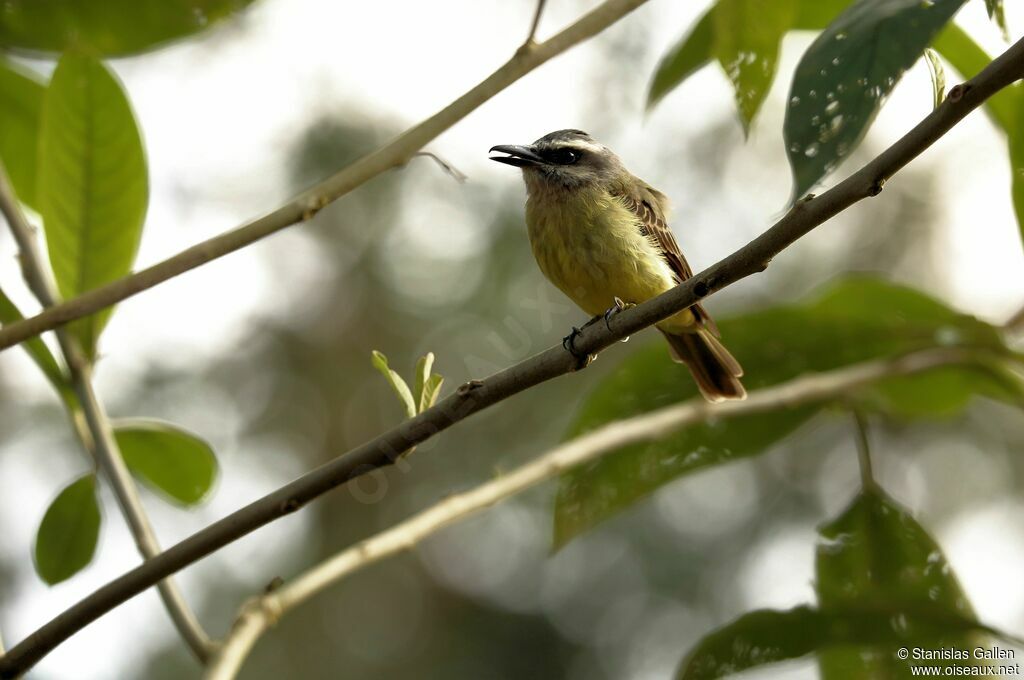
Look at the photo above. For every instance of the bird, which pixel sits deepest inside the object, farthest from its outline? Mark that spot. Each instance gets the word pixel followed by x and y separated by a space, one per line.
pixel 601 236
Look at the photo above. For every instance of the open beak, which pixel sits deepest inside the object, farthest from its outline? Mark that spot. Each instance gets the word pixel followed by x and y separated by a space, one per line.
pixel 519 156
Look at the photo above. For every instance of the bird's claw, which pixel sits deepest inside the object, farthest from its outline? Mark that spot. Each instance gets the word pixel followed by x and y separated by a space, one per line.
pixel 582 360
pixel 614 309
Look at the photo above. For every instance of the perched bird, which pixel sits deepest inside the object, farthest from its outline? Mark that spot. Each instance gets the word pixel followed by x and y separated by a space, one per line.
pixel 601 236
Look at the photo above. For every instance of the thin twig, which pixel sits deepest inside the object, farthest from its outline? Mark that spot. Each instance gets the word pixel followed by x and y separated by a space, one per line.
pixel 97 437
pixel 394 154
pixel 867 473
pixel 477 395
pixel 450 169
pixel 537 13
pixel 260 613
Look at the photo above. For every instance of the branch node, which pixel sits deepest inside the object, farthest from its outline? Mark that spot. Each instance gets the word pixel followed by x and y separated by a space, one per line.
pixel 313 206
pixel 274 584
pixel 876 187
pixel 957 92
pixel 701 289
pixel 467 387
pixel 289 506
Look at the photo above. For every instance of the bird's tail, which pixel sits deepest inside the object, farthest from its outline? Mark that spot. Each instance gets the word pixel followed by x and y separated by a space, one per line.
pixel 716 371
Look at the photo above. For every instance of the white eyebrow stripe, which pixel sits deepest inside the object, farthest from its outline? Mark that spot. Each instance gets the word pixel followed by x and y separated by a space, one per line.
pixel 579 144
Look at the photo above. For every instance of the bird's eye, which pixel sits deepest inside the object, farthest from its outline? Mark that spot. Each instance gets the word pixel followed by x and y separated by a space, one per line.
pixel 564 156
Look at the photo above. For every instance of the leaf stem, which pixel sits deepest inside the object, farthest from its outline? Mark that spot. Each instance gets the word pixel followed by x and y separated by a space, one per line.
pixel 867 473
pixel 92 426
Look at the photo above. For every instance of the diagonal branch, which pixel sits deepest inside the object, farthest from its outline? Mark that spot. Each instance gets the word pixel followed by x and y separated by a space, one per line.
pixel 259 614
pixel 392 155
pixel 95 433
pixel 477 395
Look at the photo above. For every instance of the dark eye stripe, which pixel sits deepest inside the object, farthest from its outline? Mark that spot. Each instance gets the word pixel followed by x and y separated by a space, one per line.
pixel 562 156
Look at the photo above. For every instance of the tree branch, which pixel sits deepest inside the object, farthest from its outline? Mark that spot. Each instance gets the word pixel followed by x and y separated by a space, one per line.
pixel 96 434
pixel 302 208
pixel 259 614
pixel 477 395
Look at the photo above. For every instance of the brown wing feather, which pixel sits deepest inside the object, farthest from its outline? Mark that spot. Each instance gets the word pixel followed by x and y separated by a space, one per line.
pixel 649 204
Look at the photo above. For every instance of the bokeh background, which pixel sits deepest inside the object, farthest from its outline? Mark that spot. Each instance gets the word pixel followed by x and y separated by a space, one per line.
pixel 265 353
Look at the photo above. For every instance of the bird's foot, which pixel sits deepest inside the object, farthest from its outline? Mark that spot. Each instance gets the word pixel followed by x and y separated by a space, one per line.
pixel 568 342
pixel 618 307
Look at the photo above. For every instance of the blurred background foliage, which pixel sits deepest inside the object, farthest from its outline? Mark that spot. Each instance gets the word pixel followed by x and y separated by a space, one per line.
pixel 414 263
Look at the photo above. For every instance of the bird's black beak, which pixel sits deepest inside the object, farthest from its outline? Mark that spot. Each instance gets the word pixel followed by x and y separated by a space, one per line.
pixel 519 156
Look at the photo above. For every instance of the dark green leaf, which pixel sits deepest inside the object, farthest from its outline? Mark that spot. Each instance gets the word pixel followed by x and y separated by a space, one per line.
pixel 92 185
pixel 747 36
pixel 68 533
pixel 107 28
pixel 36 348
pixel 21 102
pixel 876 554
pixel 767 636
pixel 846 74
pixel 857 319
pixel 175 462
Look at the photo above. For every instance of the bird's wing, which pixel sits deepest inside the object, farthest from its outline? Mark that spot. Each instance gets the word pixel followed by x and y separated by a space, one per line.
pixel 649 205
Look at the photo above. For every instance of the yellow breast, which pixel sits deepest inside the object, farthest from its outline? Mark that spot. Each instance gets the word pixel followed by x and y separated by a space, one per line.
pixel 592 248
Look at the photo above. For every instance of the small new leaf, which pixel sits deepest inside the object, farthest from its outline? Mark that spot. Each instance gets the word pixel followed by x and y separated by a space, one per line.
pixel 380 362
pixel 431 390
pixel 423 368
pixel 67 536
pixel 938 75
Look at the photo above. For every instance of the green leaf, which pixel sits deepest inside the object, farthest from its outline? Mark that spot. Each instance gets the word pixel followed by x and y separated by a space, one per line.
pixel 938 76
pixel 92 183
pixel 107 28
pixel 856 319
pixel 998 15
pixel 876 554
pixel 845 76
pixel 747 36
pixel 687 57
pixel 943 392
pixel 423 368
pixel 36 349
pixel 766 636
pixel 697 47
pixel 816 15
pixel 67 536
pixel 380 362
pixel 431 391
pixel 21 103
pixel 169 459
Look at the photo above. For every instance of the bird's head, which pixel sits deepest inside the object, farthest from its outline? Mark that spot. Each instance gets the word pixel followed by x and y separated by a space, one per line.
pixel 564 159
